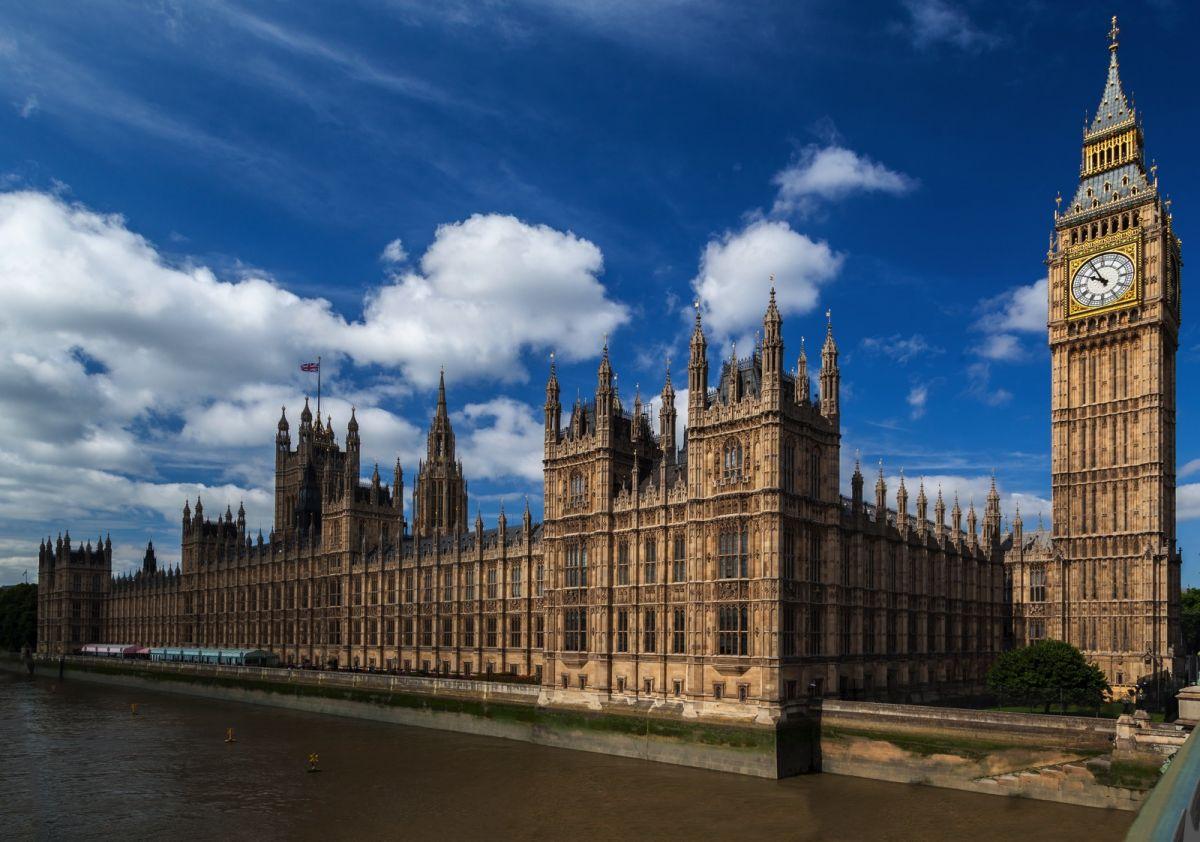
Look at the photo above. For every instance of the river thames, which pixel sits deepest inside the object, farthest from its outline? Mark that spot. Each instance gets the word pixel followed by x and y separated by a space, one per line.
pixel 77 763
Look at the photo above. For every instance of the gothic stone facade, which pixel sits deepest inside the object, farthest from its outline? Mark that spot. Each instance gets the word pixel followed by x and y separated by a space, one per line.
pixel 723 573
pixel 1108 581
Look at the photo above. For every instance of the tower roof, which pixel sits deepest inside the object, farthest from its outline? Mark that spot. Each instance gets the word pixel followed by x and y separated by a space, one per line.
pixel 1114 108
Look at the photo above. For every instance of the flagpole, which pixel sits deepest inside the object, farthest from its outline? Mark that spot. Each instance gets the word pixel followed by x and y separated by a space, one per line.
pixel 318 387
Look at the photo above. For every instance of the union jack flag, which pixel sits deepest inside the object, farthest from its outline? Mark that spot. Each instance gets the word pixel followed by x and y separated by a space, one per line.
pixel 310 366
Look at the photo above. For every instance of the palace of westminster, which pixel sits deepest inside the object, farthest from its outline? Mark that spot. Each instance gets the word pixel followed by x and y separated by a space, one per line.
pixel 724 573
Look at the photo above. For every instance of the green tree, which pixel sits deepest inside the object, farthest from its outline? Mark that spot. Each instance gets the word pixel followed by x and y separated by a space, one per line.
pixel 18 617
pixel 1189 618
pixel 1046 672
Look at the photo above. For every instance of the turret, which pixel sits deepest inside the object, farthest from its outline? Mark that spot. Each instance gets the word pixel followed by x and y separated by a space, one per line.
pixel 241 520
pixel 803 385
pixel 831 378
pixel 666 420
pixel 635 431
pixel 553 406
pixel 972 524
pixel 939 515
pixel 187 516
pixel 922 507
pixel 880 495
pixel 902 503
pixel 734 381
pixel 398 489
pixel 697 372
pixel 991 518
pixel 956 518
pixel 149 562
pixel 856 486
pixel 604 390
pixel 283 439
pixel 772 351
pixel 306 428
pixel 527 519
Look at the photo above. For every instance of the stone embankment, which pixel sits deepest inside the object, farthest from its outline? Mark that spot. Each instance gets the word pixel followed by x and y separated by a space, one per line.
pixel 1054 758
pixel 1067 759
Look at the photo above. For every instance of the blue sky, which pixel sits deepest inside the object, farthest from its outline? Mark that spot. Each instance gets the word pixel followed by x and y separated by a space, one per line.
pixel 198 197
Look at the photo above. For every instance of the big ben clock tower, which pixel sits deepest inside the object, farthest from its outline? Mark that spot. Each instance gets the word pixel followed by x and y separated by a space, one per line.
pixel 1114 312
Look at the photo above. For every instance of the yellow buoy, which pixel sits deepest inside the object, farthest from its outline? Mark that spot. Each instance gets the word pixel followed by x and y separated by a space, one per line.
pixel 133 708
pixel 312 763
pixel 229 736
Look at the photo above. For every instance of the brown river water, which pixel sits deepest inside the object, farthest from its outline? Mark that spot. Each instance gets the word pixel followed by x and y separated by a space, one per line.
pixel 75 763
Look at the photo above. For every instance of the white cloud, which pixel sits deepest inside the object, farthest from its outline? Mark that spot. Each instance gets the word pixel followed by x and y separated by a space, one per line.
pixel 733 282
pixel 28 106
pixel 1019 310
pixel 1187 501
pixel 1000 346
pixel 833 172
pixel 489 289
pixel 900 348
pixel 501 438
pixel 940 21
pixel 979 385
pixel 120 370
pixel 394 252
pixel 918 396
pixel 1190 468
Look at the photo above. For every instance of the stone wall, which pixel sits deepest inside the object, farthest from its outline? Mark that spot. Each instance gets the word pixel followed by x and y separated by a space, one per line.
pixel 1054 758
pixel 1050 758
pixel 494 709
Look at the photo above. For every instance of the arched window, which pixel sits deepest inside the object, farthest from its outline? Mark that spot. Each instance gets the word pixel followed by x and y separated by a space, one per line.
pixel 1037 584
pixel 578 489
pixel 789 466
pixel 732 463
pixel 814 473
pixel 733 553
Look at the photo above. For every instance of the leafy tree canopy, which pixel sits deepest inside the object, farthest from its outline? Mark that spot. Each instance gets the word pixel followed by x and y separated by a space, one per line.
pixel 1189 618
pixel 18 617
pixel 1048 671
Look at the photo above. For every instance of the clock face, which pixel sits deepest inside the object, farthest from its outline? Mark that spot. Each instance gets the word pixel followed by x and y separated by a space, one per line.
pixel 1102 280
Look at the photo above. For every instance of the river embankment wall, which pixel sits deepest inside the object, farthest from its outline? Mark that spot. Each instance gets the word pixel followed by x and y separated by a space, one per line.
pixel 1055 758
pixel 1067 759
pixel 500 709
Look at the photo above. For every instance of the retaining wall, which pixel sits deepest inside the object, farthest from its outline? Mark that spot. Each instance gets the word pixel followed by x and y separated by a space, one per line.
pixel 493 709
pixel 1055 758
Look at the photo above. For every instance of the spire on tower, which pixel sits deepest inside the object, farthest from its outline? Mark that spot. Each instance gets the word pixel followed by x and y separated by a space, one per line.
pixel 697 369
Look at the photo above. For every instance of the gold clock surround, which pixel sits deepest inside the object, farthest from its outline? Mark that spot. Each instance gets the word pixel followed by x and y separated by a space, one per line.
pixel 1128 243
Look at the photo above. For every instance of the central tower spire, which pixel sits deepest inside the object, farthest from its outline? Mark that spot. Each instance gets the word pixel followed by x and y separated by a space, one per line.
pixel 440 491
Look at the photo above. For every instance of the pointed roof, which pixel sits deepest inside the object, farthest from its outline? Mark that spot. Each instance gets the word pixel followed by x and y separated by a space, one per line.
pixel 1114 108
pixel 440 441
pixel 772 315
pixel 698 339
pixel 830 346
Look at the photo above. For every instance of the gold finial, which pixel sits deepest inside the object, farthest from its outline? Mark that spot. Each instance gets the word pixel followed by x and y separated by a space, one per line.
pixel 1058 200
pixel 1112 34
